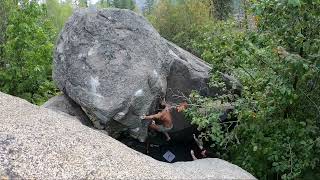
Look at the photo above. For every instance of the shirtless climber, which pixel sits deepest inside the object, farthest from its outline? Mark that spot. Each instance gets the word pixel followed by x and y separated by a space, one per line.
pixel 165 118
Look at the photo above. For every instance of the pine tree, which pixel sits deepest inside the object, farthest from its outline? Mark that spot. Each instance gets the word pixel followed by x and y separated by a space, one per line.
pixel 148 6
pixel 123 4
pixel 83 3
pixel 221 9
pixel 103 3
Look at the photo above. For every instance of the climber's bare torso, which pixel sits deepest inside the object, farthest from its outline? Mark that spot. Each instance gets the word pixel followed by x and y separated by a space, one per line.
pixel 165 119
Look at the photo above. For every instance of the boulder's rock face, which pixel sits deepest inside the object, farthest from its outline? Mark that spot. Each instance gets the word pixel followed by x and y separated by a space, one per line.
pixel 38 143
pixel 187 73
pixel 62 103
pixel 116 66
pixel 113 64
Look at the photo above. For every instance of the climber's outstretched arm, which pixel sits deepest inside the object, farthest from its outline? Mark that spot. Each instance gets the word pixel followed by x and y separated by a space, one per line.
pixel 155 116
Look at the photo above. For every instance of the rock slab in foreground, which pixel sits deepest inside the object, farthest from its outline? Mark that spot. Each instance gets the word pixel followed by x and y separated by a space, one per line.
pixel 38 143
pixel 115 65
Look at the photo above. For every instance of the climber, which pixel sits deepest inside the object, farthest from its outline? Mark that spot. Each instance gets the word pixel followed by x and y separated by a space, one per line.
pixel 165 118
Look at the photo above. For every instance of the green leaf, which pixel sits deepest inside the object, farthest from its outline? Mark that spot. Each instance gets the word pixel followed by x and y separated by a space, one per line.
pixel 294 3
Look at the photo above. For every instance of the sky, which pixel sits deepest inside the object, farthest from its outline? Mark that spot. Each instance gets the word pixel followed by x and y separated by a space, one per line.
pixel 93 1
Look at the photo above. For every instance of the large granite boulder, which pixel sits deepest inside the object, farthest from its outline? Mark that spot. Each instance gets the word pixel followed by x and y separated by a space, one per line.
pixel 38 143
pixel 116 66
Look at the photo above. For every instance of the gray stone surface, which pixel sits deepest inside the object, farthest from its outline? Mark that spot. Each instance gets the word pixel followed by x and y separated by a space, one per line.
pixel 113 64
pixel 64 104
pixel 232 83
pixel 187 73
pixel 38 143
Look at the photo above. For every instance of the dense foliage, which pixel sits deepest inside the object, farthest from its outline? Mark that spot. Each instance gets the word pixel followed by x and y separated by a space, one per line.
pixel 124 4
pixel 27 53
pixel 5 7
pixel 221 9
pixel 276 133
pixel 59 12
pixel 170 18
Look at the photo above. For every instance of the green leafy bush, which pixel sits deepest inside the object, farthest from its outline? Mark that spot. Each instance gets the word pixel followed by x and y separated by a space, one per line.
pixel 173 17
pixel 58 12
pixel 277 130
pixel 27 56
